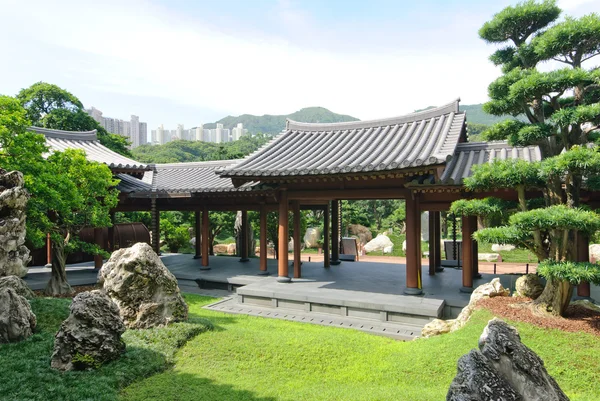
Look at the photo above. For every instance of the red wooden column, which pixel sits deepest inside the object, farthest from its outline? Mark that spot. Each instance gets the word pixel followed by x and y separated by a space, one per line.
pixel 205 239
pixel 111 232
pixel 469 225
pixel 99 241
pixel 282 249
pixel 198 233
pixel 326 256
pixel 297 262
pixel 48 251
pixel 413 246
pixel 583 255
pixel 335 232
pixel 244 241
pixel 263 239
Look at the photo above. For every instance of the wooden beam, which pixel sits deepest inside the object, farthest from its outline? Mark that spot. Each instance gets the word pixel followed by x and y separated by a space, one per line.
pixel 205 237
pixel 282 249
pixel 297 262
pixel 263 238
pixel 413 246
pixel 331 194
pixel 326 231
pixel 198 233
pixel 335 232
pixel 469 225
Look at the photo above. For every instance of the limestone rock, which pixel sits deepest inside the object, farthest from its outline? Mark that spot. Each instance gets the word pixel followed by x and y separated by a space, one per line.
pixel 379 243
pixel 311 237
pixel 91 335
pixel 488 290
pixel 488 257
pixel 505 247
pixel 363 234
pixel 18 285
pixel 436 327
pixel 503 369
pixel 586 304
pixel 14 255
pixel 388 249
pixel 220 249
pixel 425 226
pixel 231 249
pixel 17 321
pixel 145 291
pixel 529 285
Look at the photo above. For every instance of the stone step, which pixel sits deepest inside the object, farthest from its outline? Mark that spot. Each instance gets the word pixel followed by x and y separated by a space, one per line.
pixel 399 331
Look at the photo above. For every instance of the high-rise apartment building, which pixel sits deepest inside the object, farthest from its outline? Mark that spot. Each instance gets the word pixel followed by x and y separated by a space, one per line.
pixel 134 130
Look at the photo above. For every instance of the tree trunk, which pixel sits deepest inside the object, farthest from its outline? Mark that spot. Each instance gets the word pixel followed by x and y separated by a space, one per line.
pixel 555 298
pixel 58 284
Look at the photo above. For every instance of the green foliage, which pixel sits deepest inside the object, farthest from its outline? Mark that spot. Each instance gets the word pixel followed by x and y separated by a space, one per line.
pixel 26 372
pixel 572 41
pixel 573 272
pixel 505 174
pixel 557 217
pixel 478 207
pixel 174 236
pixel 193 151
pixel 518 23
pixel 52 107
pixel 397 218
pixel 249 358
pixel 503 235
pixel 579 160
pixel 272 124
pixel 85 362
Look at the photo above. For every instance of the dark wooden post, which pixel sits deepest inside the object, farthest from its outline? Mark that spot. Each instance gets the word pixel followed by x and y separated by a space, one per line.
pixel 111 232
pixel 434 242
pixel 297 262
pixel 326 256
pixel 335 232
pixel 583 255
pixel 438 242
pixel 244 239
pixel 413 246
pixel 263 239
pixel 205 239
pixel 198 233
pixel 154 226
pixel 99 241
pixel 469 225
pixel 282 263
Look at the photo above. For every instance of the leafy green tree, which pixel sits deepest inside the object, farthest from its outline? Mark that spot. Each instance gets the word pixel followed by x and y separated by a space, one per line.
pixel 67 191
pixel 50 106
pixel 563 110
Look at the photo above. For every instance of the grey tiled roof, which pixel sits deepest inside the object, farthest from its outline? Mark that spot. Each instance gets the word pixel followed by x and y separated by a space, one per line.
pixel 87 141
pixel 194 177
pixel 419 139
pixel 472 153
pixel 129 184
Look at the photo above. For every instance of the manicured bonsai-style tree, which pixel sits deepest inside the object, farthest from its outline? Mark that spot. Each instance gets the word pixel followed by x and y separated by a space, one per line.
pixel 562 110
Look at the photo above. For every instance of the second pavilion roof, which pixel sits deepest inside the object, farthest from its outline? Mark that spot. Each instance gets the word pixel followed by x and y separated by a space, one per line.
pixel 305 149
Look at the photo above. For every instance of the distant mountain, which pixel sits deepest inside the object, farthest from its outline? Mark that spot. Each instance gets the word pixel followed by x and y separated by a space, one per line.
pixel 476 115
pixel 274 124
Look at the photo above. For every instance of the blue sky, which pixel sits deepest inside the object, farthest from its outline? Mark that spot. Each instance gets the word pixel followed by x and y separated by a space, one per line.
pixel 193 62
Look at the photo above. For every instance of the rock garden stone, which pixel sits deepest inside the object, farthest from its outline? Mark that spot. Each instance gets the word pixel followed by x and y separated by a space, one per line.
pixel 503 368
pixel 145 291
pixel 504 247
pixel 488 290
pixel 18 285
pixel 14 255
pixel 529 285
pixel 312 237
pixel 488 257
pixel 17 321
pixel 379 243
pixel 594 250
pixel 91 335
pixel 361 232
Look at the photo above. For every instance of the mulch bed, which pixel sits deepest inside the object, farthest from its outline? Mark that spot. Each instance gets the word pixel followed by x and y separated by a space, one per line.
pixel 577 319
pixel 77 289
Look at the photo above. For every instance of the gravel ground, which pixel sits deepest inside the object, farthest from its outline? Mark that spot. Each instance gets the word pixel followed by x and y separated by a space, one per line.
pixel 577 319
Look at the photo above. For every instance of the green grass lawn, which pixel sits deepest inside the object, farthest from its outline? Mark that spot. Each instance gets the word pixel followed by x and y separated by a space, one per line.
pixel 25 372
pixel 250 358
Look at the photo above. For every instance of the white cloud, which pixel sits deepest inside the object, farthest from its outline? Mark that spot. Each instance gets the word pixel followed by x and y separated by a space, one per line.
pixel 145 50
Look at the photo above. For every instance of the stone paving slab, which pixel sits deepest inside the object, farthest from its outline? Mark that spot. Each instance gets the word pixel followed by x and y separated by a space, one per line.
pixel 397 331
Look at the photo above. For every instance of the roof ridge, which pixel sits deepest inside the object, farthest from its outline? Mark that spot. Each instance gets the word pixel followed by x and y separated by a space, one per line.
pixel 60 134
pixel 411 117
pixel 488 145
pixel 207 163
